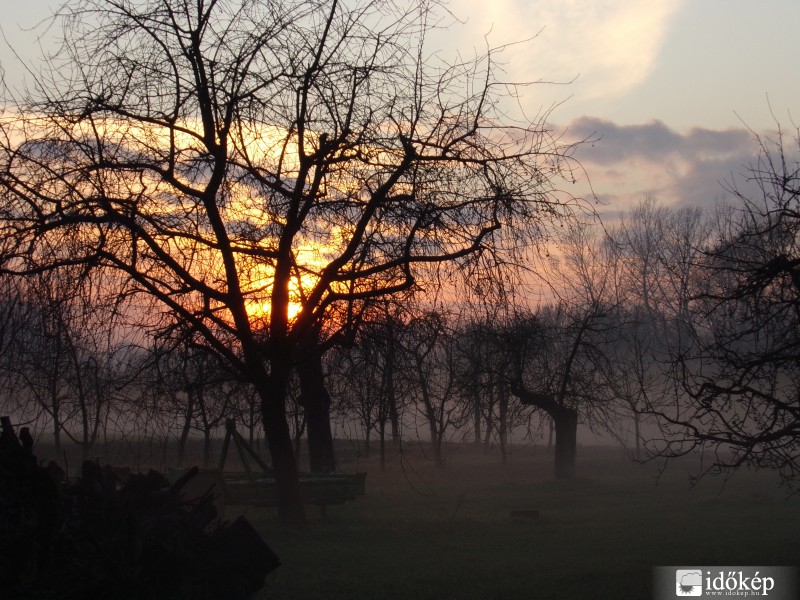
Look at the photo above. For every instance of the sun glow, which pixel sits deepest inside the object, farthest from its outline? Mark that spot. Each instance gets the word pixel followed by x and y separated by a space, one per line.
pixel 156 176
pixel 258 291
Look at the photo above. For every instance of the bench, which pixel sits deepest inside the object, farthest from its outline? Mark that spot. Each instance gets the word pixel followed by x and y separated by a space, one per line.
pixel 319 489
pixel 261 489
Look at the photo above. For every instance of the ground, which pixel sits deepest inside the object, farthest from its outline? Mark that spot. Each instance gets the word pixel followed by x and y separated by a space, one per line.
pixel 423 532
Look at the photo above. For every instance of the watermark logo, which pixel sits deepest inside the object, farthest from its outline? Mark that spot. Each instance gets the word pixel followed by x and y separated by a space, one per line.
pixel 771 583
pixel 688 582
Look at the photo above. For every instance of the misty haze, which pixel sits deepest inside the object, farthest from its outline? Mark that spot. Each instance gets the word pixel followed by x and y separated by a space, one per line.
pixel 353 299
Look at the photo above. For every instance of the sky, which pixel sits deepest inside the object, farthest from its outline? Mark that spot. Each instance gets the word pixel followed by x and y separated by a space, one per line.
pixel 673 90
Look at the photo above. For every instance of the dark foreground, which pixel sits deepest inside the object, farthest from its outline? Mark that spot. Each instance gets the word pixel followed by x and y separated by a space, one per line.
pixel 470 530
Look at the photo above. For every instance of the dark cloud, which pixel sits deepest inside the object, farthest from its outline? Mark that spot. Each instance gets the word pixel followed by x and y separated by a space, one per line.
pixel 626 162
pixel 708 180
pixel 615 143
pixel 654 141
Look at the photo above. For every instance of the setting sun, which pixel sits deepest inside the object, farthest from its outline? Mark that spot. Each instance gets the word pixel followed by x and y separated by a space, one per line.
pixel 258 290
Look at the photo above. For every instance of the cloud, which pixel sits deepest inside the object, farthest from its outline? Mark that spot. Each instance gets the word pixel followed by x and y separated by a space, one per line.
pixel 626 162
pixel 656 141
pixel 610 45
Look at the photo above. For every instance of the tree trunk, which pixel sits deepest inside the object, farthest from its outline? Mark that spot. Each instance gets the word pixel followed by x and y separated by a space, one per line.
pixel 316 403
pixel 564 423
pixel 476 417
pixel 382 435
pixel 56 432
pixel 251 427
pixel 391 395
pixel 299 429
pixel 394 418
pixel 86 447
pixel 281 449
pixel 201 405
pixel 436 444
pixel 503 427
pixel 438 458
pixel 187 424
pixel 487 436
pixel 566 428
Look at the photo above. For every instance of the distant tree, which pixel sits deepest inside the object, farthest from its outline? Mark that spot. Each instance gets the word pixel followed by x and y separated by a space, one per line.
pixel 477 368
pixel 65 366
pixel 386 330
pixel 193 390
pixel 261 167
pixel 48 353
pixel 558 353
pixel 430 347
pixel 633 370
pixel 653 253
pixel 357 374
pixel 554 369
pixel 369 374
pixel 13 325
pixel 483 383
pixel 640 238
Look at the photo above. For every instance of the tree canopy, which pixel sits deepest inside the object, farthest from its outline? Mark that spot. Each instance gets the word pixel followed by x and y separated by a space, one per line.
pixel 260 167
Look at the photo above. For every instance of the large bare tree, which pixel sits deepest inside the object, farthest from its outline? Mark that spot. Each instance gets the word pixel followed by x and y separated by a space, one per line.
pixel 261 167
pixel 558 355
pixel 737 363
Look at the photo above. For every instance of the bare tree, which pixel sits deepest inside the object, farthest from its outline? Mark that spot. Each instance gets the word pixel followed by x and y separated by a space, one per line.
pixel 641 237
pixel 316 403
pixel 737 367
pixel 368 376
pixel 66 366
pixel 261 167
pixel 557 354
pixel 193 390
pixel 483 366
pixel 553 370
pixel 430 346
pixel 12 325
pixel 386 332
pixel 656 252
pixel 357 381
pixel 474 343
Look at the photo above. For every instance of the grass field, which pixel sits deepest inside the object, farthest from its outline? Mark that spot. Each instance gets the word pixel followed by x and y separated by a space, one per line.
pixel 423 532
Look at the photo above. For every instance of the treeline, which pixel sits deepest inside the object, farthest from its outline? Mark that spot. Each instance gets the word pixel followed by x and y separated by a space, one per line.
pixel 683 319
pixel 184 209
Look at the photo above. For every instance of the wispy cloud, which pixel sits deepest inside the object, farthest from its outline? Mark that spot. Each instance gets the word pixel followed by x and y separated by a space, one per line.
pixel 610 45
pixel 686 168
pixel 655 141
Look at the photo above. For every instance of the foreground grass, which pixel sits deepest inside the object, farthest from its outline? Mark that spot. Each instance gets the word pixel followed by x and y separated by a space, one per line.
pixel 423 532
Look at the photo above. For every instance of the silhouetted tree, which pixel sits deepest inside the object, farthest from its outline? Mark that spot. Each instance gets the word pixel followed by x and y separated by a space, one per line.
pixel 66 366
pixel 552 371
pixel 316 403
pixel 655 251
pixel 430 347
pixel 12 326
pixel 483 367
pixel 357 381
pixel 192 389
pixel 737 364
pixel 558 353
pixel 261 167
pixel 369 374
